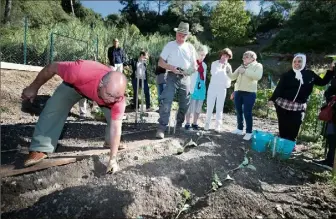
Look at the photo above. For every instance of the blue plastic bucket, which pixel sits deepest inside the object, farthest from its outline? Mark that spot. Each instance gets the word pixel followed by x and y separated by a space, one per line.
pixel 284 147
pixel 261 140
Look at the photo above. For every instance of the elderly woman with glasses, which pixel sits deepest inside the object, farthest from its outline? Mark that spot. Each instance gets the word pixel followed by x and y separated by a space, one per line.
pixel 291 95
pixel 247 76
pixel 197 89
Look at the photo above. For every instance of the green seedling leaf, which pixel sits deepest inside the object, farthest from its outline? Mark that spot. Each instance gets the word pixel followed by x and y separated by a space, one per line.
pixel 251 167
pixel 191 143
pixel 186 194
pixel 244 163
pixel 228 177
pixel 214 186
pixel 217 180
pixel 185 207
pixel 180 150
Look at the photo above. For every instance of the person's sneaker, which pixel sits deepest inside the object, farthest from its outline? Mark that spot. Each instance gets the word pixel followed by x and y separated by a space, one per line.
pixel 323 163
pixel 34 157
pixel 207 126
pixel 237 132
pixel 195 127
pixel 113 166
pixel 159 134
pixel 247 136
pixel 187 126
pixel 218 128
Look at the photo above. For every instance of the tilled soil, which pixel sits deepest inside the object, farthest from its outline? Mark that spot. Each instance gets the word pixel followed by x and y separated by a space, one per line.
pixel 153 176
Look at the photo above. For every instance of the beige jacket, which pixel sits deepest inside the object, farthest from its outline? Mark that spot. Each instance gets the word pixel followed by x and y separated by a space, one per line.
pixel 248 80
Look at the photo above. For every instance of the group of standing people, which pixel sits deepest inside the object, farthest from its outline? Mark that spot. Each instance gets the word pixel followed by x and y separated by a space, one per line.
pixel 182 70
pixel 180 58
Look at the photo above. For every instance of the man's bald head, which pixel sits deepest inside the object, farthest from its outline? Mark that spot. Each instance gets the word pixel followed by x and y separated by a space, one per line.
pixel 113 87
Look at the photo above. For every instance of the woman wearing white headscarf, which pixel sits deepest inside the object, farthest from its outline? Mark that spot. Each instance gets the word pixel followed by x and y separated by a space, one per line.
pixel 291 94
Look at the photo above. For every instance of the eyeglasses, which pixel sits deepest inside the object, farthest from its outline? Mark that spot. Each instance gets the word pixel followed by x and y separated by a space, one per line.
pixel 298 61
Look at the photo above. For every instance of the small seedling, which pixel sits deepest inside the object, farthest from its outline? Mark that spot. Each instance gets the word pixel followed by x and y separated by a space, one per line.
pixel 246 164
pixel 191 143
pixel 183 206
pixel 201 135
pixel 228 177
pixel 215 183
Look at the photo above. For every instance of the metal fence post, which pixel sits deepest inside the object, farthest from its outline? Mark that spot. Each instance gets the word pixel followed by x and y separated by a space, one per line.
pixel 97 47
pixel 87 51
pixel 25 41
pixel 51 47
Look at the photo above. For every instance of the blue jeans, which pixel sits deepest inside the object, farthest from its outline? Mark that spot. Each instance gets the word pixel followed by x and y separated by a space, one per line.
pixel 244 102
pixel 174 83
pixel 146 91
pixel 160 88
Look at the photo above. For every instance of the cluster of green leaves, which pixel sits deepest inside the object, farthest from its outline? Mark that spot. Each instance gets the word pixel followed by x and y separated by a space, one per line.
pixel 229 21
pixel 310 29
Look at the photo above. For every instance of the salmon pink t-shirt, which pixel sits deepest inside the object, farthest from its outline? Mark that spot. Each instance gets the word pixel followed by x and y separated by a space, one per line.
pixel 85 76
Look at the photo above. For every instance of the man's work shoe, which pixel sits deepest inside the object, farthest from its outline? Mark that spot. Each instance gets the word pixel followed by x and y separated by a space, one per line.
pixel 34 157
pixel 122 146
pixel 159 134
pixel 113 166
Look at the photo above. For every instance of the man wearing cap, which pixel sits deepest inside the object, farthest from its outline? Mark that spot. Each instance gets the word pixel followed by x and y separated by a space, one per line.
pixel 179 59
pixel 81 79
pixel 116 56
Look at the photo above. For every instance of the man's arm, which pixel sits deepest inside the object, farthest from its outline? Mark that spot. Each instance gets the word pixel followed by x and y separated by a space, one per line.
pixel 115 133
pixel 44 75
pixel 163 64
pixel 30 92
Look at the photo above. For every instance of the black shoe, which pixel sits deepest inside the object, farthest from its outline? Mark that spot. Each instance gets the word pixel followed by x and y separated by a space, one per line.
pixel 195 127
pixel 187 126
pixel 324 164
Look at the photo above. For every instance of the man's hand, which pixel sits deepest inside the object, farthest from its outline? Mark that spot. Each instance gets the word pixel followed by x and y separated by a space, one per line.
pixel 270 103
pixel 29 93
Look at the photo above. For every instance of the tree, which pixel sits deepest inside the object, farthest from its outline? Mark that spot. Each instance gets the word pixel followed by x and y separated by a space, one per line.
pixel 8 8
pixel 115 20
pixel 130 11
pixel 229 22
pixel 160 4
pixel 310 29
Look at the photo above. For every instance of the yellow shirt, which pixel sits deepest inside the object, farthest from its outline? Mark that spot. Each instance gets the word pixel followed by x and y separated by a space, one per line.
pixel 247 81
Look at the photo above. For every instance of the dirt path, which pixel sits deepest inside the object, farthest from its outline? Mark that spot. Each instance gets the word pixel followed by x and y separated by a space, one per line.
pixel 153 177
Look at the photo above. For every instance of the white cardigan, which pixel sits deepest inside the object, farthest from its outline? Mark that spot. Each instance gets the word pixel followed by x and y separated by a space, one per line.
pixel 193 78
pixel 219 75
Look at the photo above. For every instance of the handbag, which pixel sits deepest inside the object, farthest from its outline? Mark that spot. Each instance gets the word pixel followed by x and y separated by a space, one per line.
pixel 326 113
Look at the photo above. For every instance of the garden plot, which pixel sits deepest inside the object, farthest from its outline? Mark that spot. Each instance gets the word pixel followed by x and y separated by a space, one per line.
pixel 158 179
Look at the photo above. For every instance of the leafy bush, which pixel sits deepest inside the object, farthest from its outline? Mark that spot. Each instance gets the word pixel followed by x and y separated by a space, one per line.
pixel 310 29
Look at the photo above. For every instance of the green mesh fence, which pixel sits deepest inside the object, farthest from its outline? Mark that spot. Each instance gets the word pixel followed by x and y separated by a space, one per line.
pixel 22 44
pixel 65 48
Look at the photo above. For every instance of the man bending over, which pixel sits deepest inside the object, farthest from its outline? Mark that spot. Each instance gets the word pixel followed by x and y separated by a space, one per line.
pixel 81 79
